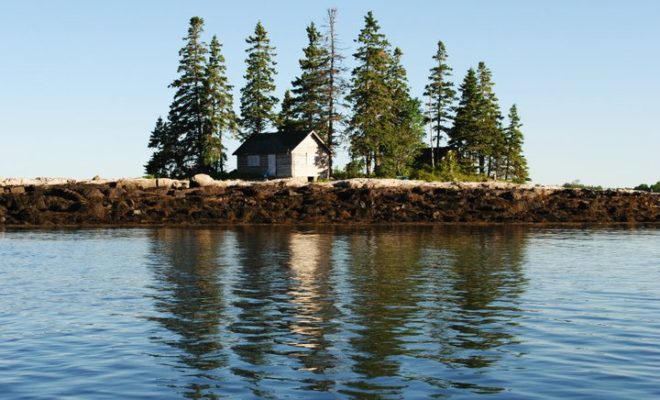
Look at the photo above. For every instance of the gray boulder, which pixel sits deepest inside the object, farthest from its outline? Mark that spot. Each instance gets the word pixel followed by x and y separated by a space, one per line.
pixel 202 180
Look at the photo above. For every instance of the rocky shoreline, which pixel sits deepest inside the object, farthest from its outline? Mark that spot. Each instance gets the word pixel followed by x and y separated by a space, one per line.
pixel 203 201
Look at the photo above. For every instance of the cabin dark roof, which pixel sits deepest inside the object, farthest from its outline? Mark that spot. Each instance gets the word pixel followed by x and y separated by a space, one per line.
pixel 274 143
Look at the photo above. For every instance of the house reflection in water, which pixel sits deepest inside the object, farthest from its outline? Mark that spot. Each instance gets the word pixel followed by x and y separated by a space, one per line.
pixel 313 297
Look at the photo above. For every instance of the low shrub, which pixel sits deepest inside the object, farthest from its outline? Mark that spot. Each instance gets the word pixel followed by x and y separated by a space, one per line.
pixel 577 185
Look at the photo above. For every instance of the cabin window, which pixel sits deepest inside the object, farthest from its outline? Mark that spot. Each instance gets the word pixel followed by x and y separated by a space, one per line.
pixel 253 161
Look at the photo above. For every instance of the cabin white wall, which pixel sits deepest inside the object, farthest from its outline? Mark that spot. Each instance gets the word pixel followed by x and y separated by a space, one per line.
pixel 307 159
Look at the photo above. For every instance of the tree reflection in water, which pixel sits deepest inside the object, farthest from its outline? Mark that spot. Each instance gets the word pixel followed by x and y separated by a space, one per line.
pixel 190 301
pixel 259 300
pixel 473 292
pixel 432 296
pixel 362 313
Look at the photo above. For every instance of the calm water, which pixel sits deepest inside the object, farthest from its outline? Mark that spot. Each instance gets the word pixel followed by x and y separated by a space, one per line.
pixel 263 312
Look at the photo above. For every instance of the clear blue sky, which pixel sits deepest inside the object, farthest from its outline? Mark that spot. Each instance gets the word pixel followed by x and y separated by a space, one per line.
pixel 82 82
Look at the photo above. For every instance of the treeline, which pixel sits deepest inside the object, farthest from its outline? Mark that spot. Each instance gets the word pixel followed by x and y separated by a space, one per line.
pixel 655 188
pixel 372 110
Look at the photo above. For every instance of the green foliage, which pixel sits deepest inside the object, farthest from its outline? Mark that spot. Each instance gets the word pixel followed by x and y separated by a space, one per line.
pixel 166 159
pixel 310 89
pixel 234 174
pixel 353 169
pixel 219 112
pixel 447 170
pixel 370 96
pixel 257 100
pixel 340 174
pixel 287 120
pixel 190 141
pixel 187 111
pixel 655 188
pixel 513 164
pixel 490 136
pixel 577 185
pixel 463 136
pixel 402 144
pixel 441 95
pixel 483 145
pixel 386 126
pixel 178 142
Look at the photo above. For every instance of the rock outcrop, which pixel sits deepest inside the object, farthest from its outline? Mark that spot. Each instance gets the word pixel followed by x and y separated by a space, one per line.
pixel 171 202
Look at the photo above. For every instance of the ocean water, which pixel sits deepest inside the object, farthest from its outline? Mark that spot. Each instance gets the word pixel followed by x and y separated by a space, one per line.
pixel 412 312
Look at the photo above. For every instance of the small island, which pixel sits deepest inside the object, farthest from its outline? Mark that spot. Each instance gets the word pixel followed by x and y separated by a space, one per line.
pixel 204 201
pixel 468 168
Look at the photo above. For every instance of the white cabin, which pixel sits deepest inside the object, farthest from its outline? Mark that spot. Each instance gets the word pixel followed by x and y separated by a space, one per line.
pixel 284 155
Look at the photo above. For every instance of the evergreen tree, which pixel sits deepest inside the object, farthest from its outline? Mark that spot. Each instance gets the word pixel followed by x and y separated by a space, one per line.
pixel 187 111
pixel 441 94
pixel 219 116
pixel 514 162
pixel 164 160
pixel 370 96
pixel 463 136
pixel 490 135
pixel 310 89
pixel 287 120
pixel 401 143
pixel 336 83
pixel 257 100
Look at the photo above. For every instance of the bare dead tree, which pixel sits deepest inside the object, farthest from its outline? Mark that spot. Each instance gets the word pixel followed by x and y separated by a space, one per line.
pixel 336 82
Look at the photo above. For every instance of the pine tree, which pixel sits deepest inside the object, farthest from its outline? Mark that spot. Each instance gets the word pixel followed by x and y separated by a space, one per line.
pixel 287 120
pixel 402 142
pixel 257 100
pixel 219 113
pixel 336 83
pixel 490 136
pixel 463 136
pixel 165 159
pixel 310 89
pixel 370 96
pixel 514 163
pixel 187 111
pixel 441 94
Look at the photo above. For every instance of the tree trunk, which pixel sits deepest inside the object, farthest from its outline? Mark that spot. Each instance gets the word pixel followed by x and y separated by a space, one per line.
pixel 332 17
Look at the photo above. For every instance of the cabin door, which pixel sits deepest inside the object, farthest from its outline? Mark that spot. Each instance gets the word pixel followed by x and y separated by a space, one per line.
pixel 272 166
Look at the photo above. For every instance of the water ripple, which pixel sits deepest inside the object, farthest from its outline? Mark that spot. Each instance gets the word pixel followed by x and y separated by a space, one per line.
pixel 360 313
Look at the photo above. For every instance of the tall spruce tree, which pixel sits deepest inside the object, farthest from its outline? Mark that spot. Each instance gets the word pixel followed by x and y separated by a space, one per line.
pixel 403 142
pixel 370 96
pixel 287 120
pixel 336 86
pixel 186 116
pixel 514 164
pixel 464 134
pixel 257 99
pixel 441 94
pixel 310 89
pixel 165 159
pixel 490 136
pixel 219 116
pixel 179 141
